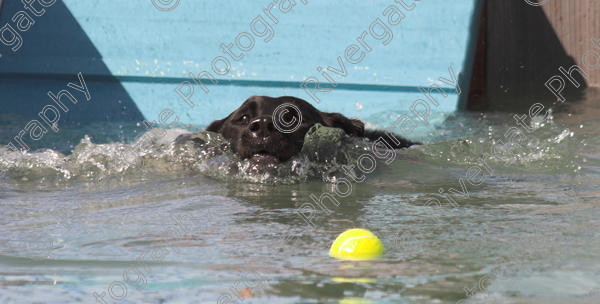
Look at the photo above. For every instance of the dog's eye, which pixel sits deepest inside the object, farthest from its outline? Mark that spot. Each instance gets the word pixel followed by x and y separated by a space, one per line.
pixel 244 118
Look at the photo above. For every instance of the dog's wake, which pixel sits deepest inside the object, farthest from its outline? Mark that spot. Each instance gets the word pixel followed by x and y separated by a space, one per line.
pixel 323 155
pixel 328 154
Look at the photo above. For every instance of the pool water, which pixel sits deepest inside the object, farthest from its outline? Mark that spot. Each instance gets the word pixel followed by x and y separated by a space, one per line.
pixel 94 223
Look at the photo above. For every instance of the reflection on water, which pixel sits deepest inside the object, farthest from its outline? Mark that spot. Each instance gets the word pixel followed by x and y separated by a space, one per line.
pixel 180 230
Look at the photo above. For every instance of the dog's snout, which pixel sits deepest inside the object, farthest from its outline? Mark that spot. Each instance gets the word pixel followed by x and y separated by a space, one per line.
pixel 261 127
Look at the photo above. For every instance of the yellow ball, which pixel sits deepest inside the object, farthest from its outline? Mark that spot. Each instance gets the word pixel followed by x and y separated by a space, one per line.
pixel 356 245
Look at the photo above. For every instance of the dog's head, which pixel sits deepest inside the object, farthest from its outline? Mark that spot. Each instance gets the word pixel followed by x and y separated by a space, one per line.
pixel 268 129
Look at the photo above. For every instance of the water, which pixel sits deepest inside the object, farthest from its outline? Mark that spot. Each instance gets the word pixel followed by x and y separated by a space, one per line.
pixel 174 225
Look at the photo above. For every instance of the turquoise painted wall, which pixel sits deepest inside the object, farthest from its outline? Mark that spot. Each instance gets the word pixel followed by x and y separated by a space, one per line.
pixel 145 53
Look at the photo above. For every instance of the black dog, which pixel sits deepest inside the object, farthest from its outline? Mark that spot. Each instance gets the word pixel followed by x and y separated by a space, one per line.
pixel 253 133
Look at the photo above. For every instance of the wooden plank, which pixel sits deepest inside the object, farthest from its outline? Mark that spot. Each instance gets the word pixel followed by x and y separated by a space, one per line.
pixel 527 44
pixel 576 23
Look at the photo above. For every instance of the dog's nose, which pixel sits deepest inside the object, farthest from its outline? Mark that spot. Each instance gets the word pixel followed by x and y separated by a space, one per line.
pixel 261 127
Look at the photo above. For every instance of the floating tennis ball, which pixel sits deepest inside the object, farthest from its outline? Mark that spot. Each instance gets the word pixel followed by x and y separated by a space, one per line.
pixel 355 301
pixel 356 245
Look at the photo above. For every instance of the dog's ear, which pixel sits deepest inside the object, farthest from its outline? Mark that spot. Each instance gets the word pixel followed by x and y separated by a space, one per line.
pixel 353 127
pixel 216 125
